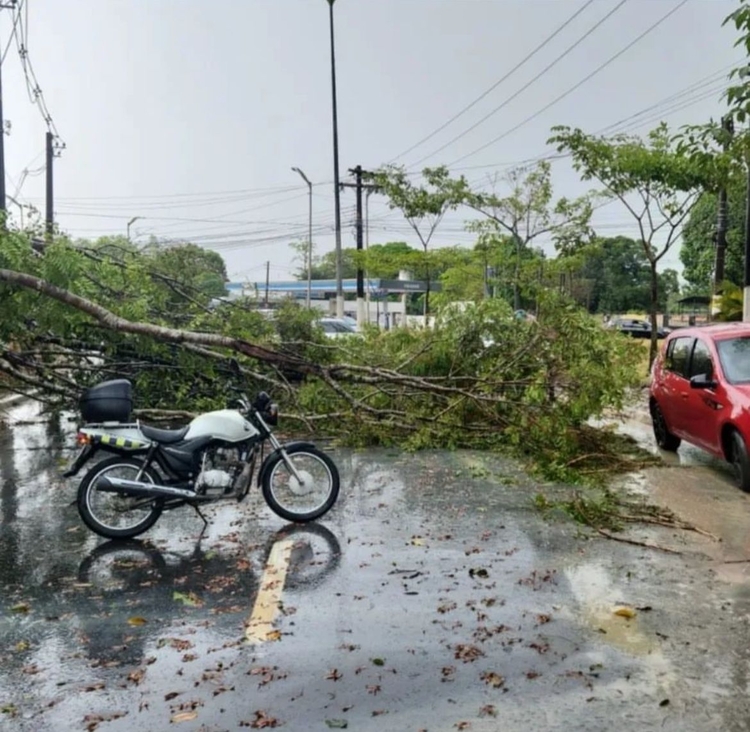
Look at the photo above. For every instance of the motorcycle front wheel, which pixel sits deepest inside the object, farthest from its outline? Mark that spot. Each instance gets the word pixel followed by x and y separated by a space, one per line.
pixel 306 500
pixel 115 515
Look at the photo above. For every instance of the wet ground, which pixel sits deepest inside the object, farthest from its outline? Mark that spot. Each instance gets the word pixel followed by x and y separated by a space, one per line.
pixel 433 597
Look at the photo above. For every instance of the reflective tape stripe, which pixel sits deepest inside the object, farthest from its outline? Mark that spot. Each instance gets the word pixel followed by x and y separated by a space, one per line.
pixel 118 441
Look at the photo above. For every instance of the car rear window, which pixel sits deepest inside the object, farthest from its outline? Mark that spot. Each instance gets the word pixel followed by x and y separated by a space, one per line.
pixel 734 354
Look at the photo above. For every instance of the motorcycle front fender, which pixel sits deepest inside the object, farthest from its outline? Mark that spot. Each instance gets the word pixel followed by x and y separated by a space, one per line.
pixel 265 467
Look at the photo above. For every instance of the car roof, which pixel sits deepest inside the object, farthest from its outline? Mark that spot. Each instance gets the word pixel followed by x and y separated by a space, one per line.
pixel 717 331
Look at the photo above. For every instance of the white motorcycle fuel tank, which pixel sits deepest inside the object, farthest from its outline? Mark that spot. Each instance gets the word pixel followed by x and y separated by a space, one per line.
pixel 224 424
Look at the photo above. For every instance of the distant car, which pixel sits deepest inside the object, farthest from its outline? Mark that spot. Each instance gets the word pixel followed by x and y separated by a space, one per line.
pixel 700 393
pixel 336 327
pixel 636 328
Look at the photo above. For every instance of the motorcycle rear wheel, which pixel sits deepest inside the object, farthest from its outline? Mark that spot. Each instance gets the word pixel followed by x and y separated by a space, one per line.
pixel 287 498
pixel 132 516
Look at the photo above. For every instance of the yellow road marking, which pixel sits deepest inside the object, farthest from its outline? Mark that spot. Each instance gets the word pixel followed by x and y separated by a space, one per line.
pixel 259 627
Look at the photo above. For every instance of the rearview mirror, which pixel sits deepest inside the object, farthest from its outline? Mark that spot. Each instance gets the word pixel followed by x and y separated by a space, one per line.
pixel 702 381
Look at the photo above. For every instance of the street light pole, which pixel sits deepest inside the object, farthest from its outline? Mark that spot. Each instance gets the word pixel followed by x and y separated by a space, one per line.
pixel 336 187
pixel 309 235
pixel 131 222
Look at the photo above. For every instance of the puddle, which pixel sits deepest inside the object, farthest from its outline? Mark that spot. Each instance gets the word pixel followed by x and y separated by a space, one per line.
pixel 598 597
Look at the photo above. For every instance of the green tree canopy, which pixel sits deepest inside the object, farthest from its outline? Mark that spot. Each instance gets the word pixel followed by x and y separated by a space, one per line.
pixel 698 253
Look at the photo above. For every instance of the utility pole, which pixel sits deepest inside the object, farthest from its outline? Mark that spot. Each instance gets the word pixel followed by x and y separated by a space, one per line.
pixel 360 240
pixel 49 211
pixel 359 186
pixel 722 222
pixel 370 191
pixel 6 6
pixel 268 274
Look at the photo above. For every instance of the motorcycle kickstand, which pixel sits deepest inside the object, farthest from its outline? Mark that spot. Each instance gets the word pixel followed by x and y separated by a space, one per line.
pixel 205 520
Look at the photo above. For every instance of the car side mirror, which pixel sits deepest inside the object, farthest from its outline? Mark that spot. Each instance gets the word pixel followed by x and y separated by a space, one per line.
pixel 702 381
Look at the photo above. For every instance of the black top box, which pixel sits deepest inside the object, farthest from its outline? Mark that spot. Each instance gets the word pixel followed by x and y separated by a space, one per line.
pixel 110 401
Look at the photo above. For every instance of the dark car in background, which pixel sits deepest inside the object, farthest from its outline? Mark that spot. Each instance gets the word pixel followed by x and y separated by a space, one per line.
pixel 636 327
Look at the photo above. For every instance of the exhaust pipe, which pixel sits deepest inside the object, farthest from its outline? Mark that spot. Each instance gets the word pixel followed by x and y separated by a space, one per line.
pixel 149 490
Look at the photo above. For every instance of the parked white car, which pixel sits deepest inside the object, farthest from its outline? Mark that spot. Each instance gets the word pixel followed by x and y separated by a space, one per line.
pixel 337 327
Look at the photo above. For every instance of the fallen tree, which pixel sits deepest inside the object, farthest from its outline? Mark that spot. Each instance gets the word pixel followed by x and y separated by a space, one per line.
pixel 480 378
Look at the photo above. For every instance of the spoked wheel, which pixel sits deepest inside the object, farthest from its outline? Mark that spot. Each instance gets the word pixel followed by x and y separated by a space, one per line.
pixel 740 461
pixel 116 515
pixel 306 498
pixel 664 438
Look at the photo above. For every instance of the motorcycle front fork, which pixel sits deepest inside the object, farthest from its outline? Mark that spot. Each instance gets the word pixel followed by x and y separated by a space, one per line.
pixel 289 464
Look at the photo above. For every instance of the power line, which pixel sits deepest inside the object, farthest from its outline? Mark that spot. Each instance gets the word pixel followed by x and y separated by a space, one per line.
pixel 238 191
pixel 610 129
pixel 34 90
pixel 562 96
pixel 497 83
pixel 12 32
pixel 527 85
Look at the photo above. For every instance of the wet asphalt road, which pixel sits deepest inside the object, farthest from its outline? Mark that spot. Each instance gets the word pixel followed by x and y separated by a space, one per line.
pixel 434 597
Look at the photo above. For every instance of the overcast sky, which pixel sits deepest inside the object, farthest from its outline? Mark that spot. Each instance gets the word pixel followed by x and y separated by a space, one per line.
pixel 191 114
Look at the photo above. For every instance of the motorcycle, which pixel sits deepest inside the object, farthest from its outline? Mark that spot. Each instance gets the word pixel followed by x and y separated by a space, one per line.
pixel 211 459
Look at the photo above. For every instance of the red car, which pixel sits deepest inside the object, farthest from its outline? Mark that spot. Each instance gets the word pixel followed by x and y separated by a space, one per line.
pixel 700 393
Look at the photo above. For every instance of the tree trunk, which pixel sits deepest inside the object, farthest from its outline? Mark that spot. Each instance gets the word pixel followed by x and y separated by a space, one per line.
pixel 654 305
pixel 517 277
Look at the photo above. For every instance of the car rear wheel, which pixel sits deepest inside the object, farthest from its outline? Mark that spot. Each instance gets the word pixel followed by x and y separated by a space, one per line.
pixel 740 461
pixel 664 438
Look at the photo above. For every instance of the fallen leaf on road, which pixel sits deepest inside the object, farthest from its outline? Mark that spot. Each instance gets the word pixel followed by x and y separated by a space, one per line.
pixel 137 676
pixel 191 600
pixel 337 723
pixel 625 612
pixel 261 721
pixel 378 662
pixel 184 717
pixel 137 620
pixel 21 607
pixel 417 541
pixel 94 687
pixel 493 679
pixel 467 653
pixel 273 635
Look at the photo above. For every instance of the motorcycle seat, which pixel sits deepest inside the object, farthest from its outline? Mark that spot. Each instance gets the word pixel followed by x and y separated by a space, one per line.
pixel 164 437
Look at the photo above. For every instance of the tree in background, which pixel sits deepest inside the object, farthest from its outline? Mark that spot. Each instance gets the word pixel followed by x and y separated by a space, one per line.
pixel 191 265
pixel 422 206
pixel 529 213
pixel 698 252
pixel 618 277
pixel 657 182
